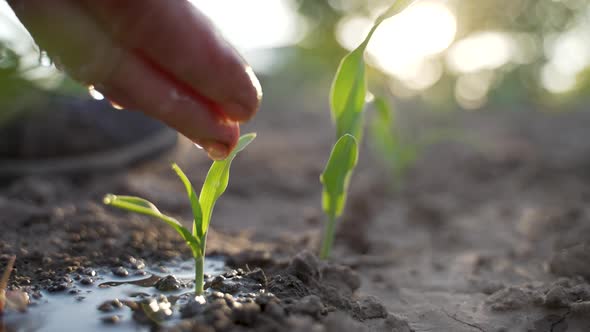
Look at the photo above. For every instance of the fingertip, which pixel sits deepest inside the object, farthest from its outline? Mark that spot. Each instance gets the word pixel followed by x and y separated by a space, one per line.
pixel 217 151
pixel 220 147
pixel 245 101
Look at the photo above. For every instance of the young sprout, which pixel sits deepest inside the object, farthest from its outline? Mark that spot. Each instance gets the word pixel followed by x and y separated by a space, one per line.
pixel 202 207
pixel 347 102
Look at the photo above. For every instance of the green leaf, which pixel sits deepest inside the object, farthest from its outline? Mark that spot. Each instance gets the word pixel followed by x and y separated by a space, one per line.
pixel 347 95
pixel 349 87
pixel 195 205
pixel 142 206
pixel 336 176
pixel 397 7
pixel 217 180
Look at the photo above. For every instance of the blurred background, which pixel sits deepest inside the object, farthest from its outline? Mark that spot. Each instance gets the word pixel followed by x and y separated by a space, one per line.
pixel 439 56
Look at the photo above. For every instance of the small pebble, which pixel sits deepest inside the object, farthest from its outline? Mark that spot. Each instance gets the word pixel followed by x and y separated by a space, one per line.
pixel 111 319
pixel 121 272
pixel 87 281
pixel 109 306
pixel 136 264
pixel 58 287
pixel 89 272
pixel 117 304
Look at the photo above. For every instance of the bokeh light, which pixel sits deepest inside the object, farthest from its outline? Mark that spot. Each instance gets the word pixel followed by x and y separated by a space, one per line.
pixel 259 24
pixel 402 45
pixel 481 51
pixel 256 26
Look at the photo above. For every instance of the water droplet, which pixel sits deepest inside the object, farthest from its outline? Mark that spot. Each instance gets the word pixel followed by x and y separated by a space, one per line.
pixel 115 105
pixel 95 93
pixel 198 146
pixel 44 59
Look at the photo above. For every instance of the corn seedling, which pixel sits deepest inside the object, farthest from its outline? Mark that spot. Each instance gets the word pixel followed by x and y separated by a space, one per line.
pixel 202 207
pixel 347 102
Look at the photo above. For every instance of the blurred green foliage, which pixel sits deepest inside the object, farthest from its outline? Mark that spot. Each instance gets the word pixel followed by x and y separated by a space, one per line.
pixel 540 21
pixel 15 92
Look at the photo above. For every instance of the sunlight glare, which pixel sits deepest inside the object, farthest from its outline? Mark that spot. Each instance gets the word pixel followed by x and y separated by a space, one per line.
pixel 481 51
pixel 402 44
pixel 258 24
pixel 569 52
pixel 471 89
pixel 424 29
pixel 556 81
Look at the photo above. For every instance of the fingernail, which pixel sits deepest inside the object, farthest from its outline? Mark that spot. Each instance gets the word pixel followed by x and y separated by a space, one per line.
pixel 216 151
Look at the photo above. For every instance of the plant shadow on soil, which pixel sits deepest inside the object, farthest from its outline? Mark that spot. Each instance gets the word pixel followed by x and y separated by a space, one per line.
pixel 490 236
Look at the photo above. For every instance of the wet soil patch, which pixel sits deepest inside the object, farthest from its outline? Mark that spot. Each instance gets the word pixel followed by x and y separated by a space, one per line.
pixel 302 294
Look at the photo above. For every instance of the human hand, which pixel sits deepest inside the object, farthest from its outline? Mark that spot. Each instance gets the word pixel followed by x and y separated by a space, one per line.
pixel 161 57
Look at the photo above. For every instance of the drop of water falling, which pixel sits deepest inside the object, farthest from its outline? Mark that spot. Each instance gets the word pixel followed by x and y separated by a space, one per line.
pixel 115 105
pixel 95 93
pixel 44 59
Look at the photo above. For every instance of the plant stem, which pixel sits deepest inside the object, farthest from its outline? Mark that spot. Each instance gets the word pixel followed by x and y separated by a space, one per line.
pixel 199 271
pixel 200 267
pixel 329 234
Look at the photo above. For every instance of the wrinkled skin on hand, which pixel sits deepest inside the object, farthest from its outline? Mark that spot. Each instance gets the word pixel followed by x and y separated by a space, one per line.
pixel 161 57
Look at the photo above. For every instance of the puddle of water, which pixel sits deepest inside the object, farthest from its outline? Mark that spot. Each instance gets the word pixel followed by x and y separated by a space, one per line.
pixel 78 312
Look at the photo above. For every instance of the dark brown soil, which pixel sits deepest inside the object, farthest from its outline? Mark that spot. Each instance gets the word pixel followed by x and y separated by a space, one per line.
pixel 491 231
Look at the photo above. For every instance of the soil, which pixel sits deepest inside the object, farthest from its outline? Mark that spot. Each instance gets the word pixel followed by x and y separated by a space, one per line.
pixel 489 232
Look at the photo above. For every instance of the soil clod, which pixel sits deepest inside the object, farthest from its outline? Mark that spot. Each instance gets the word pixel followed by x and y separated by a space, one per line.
pixel 168 284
